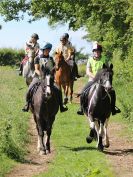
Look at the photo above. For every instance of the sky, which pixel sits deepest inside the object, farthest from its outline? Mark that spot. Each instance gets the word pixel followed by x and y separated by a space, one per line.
pixel 14 34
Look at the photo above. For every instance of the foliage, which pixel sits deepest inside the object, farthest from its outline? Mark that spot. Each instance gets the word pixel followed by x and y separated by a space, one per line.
pixel 10 56
pixel 80 55
pixel 74 157
pixel 82 69
pixel 110 22
pixel 123 81
pixel 13 123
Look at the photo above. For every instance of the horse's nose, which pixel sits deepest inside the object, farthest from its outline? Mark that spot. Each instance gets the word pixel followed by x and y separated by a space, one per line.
pixel 108 86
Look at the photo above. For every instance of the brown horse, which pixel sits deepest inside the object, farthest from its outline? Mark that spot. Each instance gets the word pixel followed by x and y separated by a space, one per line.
pixel 63 76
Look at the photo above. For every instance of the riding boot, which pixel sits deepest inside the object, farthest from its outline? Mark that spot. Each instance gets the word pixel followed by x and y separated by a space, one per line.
pixel 80 111
pixel 26 106
pixel 114 109
pixel 62 108
pixel 21 69
pixel 76 70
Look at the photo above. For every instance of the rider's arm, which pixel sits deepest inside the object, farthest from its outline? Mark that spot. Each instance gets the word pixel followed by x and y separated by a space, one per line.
pixel 37 49
pixel 37 69
pixel 89 71
pixel 70 52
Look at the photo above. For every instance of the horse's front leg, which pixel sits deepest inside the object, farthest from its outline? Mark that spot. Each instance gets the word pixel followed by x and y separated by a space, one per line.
pixel 71 91
pixel 92 133
pixel 65 88
pixel 47 140
pixel 106 138
pixel 41 147
pixel 100 133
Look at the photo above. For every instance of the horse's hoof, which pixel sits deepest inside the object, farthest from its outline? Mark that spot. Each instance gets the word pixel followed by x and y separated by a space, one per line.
pixel 41 152
pixel 100 148
pixel 89 139
pixel 65 101
pixel 106 146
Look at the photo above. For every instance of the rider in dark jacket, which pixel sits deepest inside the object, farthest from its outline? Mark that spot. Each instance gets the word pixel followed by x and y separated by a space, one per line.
pixel 47 61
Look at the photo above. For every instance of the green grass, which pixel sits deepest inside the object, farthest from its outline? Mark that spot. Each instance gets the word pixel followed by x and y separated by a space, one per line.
pixel 13 123
pixel 73 156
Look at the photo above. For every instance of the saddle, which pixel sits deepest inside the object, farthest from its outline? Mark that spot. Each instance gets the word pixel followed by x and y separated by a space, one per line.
pixel 84 96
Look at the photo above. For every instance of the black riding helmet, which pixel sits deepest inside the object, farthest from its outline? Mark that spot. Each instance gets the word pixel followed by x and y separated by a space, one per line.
pixel 34 35
pixel 66 35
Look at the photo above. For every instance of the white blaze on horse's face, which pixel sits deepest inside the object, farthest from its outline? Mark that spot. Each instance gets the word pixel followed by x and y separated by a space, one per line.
pixel 107 82
pixel 48 90
pixel 108 85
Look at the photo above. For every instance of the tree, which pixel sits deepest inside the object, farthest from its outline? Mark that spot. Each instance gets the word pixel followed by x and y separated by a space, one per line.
pixel 109 22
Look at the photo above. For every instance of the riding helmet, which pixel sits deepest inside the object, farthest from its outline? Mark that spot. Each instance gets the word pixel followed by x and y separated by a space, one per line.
pixel 34 35
pixel 66 35
pixel 47 45
pixel 63 37
pixel 96 46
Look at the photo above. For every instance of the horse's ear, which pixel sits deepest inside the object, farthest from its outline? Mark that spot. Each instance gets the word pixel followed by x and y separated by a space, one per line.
pixel 104 66
pixel 111 66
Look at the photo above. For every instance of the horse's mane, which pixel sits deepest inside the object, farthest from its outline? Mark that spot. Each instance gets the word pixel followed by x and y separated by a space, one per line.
pixel 104 69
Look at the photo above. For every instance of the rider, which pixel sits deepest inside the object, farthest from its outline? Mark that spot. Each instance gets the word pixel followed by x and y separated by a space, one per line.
pixel 33 45
pixel 47 61
pixel 75 67
pixel 67 50
pixel 94 64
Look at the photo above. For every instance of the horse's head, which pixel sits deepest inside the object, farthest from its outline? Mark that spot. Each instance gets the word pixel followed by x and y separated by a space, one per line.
pixel 105 76
pixel 58 60
pixel 47 81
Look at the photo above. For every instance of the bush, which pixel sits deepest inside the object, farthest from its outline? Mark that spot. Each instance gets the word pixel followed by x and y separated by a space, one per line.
pixel 123 82
pixel 82 69
pixel 9 56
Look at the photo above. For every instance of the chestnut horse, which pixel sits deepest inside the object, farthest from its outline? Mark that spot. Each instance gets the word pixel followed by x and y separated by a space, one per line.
pixel 63 76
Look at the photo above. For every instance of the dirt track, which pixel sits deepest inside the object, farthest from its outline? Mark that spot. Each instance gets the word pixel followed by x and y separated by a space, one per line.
pixel 119 154
pixel 34 164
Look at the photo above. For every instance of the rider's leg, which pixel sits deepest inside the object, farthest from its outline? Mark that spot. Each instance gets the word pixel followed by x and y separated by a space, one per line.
pixel 20 69
pixel 80 111
pixel 29 94
pixel 59 94
pixel 76 70
pixel 114 109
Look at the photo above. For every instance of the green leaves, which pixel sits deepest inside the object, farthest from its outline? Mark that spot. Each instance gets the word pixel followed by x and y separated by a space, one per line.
pixel 109 22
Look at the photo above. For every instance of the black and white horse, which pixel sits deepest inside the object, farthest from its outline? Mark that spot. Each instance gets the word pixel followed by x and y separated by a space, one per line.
pixel 98 108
